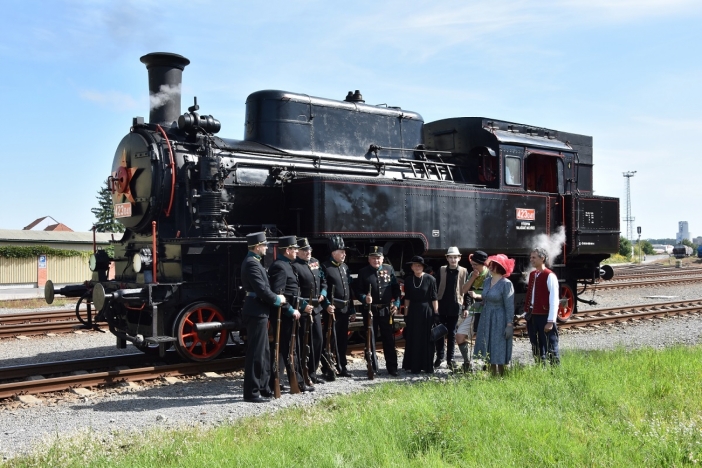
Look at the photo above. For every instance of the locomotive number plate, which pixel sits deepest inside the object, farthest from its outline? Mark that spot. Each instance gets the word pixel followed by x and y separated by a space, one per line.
pixel 123 210
pixel 526 214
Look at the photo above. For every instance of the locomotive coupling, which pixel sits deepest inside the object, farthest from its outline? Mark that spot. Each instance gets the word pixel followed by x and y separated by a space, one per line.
pixel 72 290
pixel 606 272
pixel 100 297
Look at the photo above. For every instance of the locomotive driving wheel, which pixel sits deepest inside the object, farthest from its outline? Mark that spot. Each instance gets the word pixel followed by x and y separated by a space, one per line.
pixel 203 347
pixel 566 304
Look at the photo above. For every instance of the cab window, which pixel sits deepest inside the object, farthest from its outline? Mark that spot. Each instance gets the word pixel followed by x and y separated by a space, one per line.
pixel 513 171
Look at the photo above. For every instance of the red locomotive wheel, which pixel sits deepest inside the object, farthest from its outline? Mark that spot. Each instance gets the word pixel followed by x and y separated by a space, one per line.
pixel 191 346
pixel 566 304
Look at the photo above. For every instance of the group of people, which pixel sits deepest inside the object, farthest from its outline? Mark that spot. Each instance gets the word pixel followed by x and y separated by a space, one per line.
pixel 308 305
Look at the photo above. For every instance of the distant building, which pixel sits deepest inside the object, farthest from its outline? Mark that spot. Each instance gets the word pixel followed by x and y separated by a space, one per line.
pixel 663 248
pixel 32 272
pixel 46 223
pixel 697 240
pixel 683 232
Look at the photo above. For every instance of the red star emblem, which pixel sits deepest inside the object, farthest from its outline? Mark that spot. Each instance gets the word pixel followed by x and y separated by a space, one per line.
pixel 122 177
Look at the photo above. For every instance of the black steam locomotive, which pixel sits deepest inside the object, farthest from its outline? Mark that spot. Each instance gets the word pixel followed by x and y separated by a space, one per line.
pixel 375 175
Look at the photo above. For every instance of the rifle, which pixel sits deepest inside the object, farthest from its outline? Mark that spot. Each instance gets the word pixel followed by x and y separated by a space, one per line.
pixel 276 372
pixel 327 353
pixel 292 372
pixel 306 346
pixel 369 331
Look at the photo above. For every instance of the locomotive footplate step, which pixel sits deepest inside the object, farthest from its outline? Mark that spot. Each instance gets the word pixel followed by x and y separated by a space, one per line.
pixel 159 339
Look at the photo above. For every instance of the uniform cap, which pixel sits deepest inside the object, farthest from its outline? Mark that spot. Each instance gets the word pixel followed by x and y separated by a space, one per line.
pixel 256 238
pixel 303 243
pixel 376 251
pixel 336 243
pixel 287 242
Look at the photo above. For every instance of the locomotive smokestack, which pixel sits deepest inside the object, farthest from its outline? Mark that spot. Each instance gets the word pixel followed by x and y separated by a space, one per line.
pixel 165 79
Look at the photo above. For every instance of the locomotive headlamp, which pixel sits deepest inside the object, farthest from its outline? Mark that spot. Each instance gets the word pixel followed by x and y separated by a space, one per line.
pixel 99 261
pixel 136 263
pixel 192 122
pixel 141 259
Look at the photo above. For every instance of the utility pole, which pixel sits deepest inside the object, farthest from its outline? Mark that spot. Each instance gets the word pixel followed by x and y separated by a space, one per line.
pixel 629 219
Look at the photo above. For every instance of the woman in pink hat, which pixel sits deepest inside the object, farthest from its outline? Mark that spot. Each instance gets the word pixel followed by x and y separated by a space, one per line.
pixel 495 330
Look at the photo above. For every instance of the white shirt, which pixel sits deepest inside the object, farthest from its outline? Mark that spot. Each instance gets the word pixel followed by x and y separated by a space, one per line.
pixel 553 292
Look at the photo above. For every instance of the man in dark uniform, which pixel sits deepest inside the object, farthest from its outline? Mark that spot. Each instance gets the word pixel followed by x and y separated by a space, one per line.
pixel 283 278
pixel 312 285
pixel 384 301
pixel 257 305
pixel 338 278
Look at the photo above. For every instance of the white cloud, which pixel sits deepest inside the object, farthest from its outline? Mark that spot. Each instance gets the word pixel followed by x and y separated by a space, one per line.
pixel 111 99
pixel 425 30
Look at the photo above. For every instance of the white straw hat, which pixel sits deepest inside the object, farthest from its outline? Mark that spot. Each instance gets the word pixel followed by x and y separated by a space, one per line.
pixel 453 251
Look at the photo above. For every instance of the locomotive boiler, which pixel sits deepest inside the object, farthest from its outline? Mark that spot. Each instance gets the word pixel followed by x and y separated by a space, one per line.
pixel 375 175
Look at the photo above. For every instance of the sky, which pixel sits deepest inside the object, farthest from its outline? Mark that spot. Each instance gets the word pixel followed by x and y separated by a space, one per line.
pixel 626 72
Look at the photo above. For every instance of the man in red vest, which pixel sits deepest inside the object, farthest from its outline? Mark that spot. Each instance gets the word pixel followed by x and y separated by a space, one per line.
pixel 541 306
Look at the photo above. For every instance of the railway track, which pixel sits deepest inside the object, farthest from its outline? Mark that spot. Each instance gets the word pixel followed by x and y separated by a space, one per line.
pixel 38 323
pixel 659 274
pixel 62 376
pixel 625 314
pixel 658 281
pixel 51 377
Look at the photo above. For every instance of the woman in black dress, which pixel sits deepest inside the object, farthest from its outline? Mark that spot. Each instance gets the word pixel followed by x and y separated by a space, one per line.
pixel 421 306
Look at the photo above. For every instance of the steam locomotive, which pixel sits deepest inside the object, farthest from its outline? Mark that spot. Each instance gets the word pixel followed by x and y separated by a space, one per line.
pixel 375 175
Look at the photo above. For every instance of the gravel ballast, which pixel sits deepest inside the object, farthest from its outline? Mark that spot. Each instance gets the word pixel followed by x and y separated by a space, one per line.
pixel 207 402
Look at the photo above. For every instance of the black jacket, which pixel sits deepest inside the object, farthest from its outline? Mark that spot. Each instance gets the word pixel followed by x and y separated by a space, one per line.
pixel 284 278
pixel 312 282
pixel 255 280
pixel 337 275
pixel 385 288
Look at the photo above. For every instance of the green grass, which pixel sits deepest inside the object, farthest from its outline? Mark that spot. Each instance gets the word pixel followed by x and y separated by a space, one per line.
pixel 616 259
pixel 640 408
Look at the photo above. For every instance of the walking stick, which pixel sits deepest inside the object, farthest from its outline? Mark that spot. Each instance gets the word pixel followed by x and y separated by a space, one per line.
pixel 276 372
pixel 369 351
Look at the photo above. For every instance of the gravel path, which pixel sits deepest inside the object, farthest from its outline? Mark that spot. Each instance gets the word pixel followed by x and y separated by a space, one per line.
pixel 214 401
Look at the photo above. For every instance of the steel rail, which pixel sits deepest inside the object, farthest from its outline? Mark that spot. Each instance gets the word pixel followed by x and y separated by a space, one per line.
pixel 90 364
pixel 641 284
pixel 62 383
pixel 660 274
pixel 10 331
pixel 34 317
pixel 625 314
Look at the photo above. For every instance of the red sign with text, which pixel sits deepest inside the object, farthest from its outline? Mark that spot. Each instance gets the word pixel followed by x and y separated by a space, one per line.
pixel 123 210
pixel 526 214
